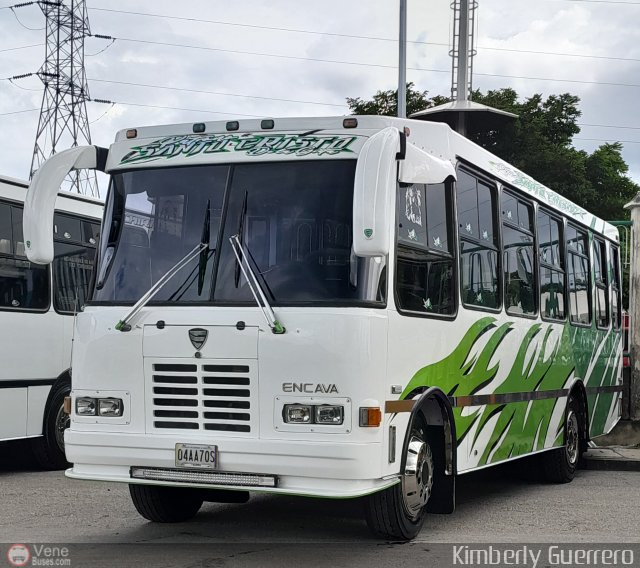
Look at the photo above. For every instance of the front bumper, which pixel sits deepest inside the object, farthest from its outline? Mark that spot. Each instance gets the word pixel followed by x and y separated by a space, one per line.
pixel 319 469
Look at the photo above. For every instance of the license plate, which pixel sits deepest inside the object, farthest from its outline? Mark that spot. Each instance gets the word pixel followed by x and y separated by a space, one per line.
pixel 196 456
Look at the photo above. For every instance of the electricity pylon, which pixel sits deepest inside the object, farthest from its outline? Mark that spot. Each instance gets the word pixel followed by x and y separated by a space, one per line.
pixel 63 115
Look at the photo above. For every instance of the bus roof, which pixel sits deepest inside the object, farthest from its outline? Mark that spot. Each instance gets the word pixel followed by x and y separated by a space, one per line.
pixel 232 141
pixel 15 190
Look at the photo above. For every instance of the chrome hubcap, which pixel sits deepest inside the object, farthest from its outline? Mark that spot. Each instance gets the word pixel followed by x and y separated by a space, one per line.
pixel 417 479
pixel 62 423
pixel 573 438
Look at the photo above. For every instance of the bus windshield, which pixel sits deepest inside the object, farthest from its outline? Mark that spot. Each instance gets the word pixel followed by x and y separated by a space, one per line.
pixel 294 220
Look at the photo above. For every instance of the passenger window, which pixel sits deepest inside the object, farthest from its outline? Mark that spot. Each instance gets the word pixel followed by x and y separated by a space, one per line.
pixel 578 273
pixel 476 203
pixel 602 283
pixel 520 297
pixel 552 274
pixel 425 264
pixel 616 288
pixel 23 285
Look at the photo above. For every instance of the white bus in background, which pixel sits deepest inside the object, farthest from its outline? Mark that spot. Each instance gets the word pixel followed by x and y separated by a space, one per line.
pixel 37 304
pixel 333 307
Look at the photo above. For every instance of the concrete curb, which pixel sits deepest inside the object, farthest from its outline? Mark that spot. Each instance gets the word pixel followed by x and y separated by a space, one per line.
pixel 616 458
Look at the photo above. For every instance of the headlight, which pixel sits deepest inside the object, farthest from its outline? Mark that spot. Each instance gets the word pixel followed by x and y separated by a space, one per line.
pixel 313 414
pixel 110 407
pixel 329 414
pixel 86 406
pixel 297 413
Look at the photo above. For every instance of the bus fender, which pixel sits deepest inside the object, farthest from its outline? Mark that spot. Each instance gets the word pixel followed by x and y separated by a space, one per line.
pixel 436 409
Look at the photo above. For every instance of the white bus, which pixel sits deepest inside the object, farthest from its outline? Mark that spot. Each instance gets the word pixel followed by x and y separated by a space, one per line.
pixel 332 307
pixel 37 304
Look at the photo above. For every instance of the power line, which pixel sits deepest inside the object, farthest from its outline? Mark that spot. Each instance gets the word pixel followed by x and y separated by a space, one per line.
pixel 176 108
pixel 22 47
pixel 353 36
pixel 361 64
pixel 18 111
pixel 199 91
pixel 23 25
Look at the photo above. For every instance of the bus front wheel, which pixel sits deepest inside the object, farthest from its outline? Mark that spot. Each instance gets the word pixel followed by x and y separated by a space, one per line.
pixel 397 513
pixel 165 504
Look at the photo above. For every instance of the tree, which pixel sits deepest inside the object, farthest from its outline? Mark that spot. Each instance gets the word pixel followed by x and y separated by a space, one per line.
pixel 385 103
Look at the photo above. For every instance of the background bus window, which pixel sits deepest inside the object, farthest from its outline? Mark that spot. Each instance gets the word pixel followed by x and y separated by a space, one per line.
pixel 425 269
pixel 478 242
pixel 552 275
pixel 578 276
pixel 75 243
pixel 616 303
pixel 602 283
pixel 23 285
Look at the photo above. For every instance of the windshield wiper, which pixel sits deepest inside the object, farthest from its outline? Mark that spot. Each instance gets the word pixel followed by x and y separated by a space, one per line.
pixel 200 249
pixel 255 287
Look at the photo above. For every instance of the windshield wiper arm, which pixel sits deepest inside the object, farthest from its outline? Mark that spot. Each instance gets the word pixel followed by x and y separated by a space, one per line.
pixel 255 287
pixel 200 249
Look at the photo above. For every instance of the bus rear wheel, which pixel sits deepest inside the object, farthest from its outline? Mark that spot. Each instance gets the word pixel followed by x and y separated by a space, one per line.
pixel 397 513
pixel 165 504
pixel 48 449
pixel 559 465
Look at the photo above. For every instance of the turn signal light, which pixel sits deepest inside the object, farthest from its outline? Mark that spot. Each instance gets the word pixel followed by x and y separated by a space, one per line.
pixel 370 417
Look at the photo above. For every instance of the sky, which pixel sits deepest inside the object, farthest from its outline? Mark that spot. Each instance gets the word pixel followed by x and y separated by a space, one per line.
pixel 270 58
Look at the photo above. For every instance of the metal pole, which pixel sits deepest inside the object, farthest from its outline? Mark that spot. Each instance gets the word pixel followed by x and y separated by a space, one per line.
pixel 634 310
pixel 402 63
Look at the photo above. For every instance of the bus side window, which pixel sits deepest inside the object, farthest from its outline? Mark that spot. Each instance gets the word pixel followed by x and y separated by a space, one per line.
pixel 425 263
pixel 23 285
pixel 602 283
pixel 477 204
pixel 73 261
pixel 552 274
pixel 616 287
pixel 520 296
pixel 579 275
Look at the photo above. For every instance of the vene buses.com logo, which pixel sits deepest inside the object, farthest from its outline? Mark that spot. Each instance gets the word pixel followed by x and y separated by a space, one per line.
pixel 18 555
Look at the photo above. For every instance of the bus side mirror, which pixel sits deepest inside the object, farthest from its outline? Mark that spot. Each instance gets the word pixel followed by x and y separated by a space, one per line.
pixel 374 193
pixel 41 197
pixel 375 186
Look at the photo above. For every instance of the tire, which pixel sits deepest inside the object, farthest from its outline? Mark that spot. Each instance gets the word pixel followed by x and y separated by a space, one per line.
pixel 559 465
pixel 48 449
pixel 165 504
pixel 397 513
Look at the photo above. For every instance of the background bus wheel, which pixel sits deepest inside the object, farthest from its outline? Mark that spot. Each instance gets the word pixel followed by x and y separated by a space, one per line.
pixel 559 465
pixel 397 513
pixel 165 504
pixel 48 449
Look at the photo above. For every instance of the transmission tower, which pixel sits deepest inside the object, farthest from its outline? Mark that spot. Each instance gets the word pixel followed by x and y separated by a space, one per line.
pixel 63 115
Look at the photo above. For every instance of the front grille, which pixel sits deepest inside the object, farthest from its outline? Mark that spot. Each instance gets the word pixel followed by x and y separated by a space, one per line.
pixel 204 396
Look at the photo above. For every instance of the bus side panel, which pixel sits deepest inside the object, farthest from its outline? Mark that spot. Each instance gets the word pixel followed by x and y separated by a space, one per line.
pixel 13 409
pixel 36 401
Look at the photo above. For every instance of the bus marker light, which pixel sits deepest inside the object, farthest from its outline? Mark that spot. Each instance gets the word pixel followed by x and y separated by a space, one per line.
pixel 132 133
pixel 370 417
pixel 267 124
pixel 86 406
pixel 199 127
pixel 350 123
pixel 66 406
pixel 110 407
pixel 233 125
